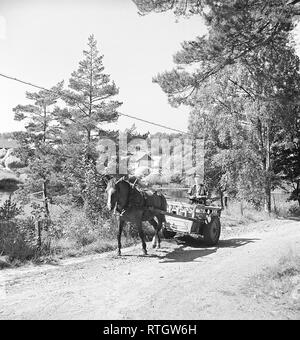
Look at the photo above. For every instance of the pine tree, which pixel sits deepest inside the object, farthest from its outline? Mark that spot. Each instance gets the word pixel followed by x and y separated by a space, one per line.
pixel 38 143
pixel 89 107
pixel 89 98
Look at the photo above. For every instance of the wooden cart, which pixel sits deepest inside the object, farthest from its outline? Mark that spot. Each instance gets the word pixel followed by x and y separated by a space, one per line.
pixel 184 218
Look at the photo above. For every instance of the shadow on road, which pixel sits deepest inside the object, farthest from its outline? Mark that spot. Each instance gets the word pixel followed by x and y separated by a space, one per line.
pixel 185 254
pixel 195 242
pixel 290 218
pixel 124 256
pixel 236 242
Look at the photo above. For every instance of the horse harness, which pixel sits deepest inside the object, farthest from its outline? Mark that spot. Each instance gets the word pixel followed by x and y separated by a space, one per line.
pixel 136 199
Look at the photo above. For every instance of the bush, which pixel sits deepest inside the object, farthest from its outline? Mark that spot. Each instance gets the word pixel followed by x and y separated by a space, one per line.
pixel 76 227
pixel 9 210
pixel 287 209
pixel 294 209
pixel 18 239
pixel 70 233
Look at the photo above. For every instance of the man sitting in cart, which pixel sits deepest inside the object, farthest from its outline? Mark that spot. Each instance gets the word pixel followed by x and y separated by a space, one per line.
pixel 198 192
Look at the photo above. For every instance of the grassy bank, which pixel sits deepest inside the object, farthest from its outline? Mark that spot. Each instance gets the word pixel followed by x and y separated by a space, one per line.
pixel 280 283
pixel 70 234
pixel 241 214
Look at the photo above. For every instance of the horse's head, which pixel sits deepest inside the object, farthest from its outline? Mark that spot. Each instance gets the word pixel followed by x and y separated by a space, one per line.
pixel 117 193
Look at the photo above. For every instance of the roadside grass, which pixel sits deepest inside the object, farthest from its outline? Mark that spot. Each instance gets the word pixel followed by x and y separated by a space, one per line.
pixel 241 214
pixel 64 248
pixel 71 234
pixel 3 263
pixel 76 235
pixel 280 283
pixel 287 209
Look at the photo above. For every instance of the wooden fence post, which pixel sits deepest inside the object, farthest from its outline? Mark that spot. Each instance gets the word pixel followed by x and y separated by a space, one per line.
pixel 242 208
pixel 39 234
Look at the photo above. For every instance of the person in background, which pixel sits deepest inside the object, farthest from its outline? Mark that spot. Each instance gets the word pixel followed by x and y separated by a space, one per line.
pixel 198 192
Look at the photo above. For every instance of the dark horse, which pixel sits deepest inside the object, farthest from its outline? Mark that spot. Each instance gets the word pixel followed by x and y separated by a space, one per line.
pixel 135 206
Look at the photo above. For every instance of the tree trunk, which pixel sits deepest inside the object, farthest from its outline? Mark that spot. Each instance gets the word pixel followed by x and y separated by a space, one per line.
pixel 242 208
pixel 267 172
pixel 39 234
pixel 267 198
pixel 222 199
pixel 45 199
pixel 298 192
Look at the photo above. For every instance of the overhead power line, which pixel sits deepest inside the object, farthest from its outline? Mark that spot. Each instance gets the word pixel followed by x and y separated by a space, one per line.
pixel 66 96
pixel 156 124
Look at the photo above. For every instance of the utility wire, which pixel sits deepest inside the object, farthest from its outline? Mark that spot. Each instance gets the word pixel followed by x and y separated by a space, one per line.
pixel 64 95
pixel 152 123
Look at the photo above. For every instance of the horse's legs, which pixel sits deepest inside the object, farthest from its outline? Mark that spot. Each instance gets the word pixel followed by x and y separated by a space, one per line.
pixel 142 237
pixel 155 237
pixel 121 224
pixel 160 219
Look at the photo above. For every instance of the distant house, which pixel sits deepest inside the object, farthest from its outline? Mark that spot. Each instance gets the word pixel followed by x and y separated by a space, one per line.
pixel 140 159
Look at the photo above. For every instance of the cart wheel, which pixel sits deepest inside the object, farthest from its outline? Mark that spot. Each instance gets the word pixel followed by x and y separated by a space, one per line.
pixel 212 231
pixel 168 233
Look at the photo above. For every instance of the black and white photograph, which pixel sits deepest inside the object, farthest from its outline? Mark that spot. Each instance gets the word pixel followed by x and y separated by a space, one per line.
pixel 149 162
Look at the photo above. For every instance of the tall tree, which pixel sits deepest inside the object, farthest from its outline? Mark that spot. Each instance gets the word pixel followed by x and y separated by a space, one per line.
pixel 241 79
pixel 237 30
pixel 89 107
pixel 247 108
pixel 286 151
pixel 38 142
pixel 89 98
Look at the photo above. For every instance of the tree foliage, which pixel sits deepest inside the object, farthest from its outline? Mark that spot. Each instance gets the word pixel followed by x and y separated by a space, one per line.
pixel 38 142
pixel 89 98
pixel 89 106
pixel 242 83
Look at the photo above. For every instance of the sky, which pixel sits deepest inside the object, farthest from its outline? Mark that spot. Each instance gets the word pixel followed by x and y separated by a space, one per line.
pixel 41 42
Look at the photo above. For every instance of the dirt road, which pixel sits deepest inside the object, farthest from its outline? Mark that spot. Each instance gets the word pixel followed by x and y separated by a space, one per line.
pixel 175 282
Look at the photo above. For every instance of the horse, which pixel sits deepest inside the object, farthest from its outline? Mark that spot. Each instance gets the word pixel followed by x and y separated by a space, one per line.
pixel 136 206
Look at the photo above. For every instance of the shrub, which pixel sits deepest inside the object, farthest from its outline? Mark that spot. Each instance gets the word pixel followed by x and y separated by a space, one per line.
pixel 287 209
pixel 18 239
pixel 9 210
pixel 294 209
pixel 76 226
